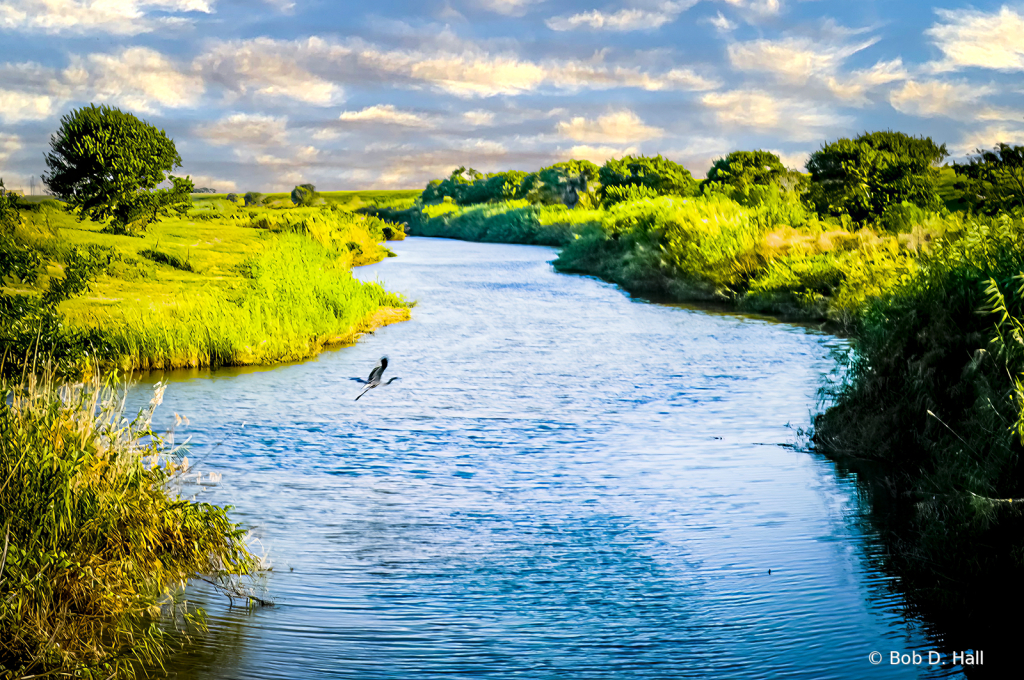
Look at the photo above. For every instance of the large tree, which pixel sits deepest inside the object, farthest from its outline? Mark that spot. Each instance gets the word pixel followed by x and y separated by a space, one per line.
pixel 106 164
pixel 744 169
pixel 863 177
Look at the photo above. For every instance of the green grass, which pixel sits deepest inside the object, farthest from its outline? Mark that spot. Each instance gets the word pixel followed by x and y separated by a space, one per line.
pixel 210 289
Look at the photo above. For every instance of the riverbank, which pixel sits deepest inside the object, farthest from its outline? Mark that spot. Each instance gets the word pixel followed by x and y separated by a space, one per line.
pixel 227 285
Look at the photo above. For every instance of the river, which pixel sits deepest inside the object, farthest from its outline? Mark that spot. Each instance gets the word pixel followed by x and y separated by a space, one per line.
pixel 565 483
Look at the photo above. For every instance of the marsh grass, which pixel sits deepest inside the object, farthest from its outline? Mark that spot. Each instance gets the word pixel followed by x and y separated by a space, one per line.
pixel 95 539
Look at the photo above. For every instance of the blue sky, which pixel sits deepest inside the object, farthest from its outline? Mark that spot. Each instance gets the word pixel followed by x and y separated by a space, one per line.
pixel 264 94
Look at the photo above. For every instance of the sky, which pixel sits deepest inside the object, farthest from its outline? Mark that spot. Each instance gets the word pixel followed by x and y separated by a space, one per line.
pixel 261 95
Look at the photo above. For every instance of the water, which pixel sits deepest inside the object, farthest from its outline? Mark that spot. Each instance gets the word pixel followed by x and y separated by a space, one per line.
pixel 565 483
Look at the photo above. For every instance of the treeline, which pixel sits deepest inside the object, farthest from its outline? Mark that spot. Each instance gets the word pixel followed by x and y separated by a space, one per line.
pixel 923 263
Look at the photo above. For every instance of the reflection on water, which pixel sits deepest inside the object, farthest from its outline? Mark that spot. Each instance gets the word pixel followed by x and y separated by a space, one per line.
pixel 566 483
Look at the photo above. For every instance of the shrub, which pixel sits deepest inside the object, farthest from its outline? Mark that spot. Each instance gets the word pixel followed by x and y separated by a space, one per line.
pixel 232 198
pixel 656 173
pixel 253 198
pixel 305 195
pixel 993 181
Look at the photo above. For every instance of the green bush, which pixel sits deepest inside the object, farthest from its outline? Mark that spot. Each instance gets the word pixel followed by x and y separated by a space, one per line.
pixel 661 175
pixel 305 195
pixel 253 198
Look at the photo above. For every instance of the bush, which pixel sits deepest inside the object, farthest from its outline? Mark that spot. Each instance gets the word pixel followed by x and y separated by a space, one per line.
pixel 253 198
pixel 993 181
pixel 232 198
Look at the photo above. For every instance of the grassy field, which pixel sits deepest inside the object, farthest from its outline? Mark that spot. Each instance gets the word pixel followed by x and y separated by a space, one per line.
pixel 227 285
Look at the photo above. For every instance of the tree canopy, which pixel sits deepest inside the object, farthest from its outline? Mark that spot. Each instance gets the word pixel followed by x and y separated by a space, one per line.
pixel 993 180
pixel 744 169
pixel 106 164
pixel 662 176
pixel 864 177
pixel 305 195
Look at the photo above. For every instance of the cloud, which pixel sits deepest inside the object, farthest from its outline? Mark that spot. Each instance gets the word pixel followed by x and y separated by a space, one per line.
pixel 139 78
pixel 246 129
pixel 628 19
pixel 795 119
pixel 9 144
pixel 270 68
pixel 757 8
pixel 935 98
pixel 314 70
pixel 508 7
pixel 386 113
pixel 987 138
pixel 974 38
pixel 618 127
pixel 722 23
pixel 478 118
pixel 792 60
pixel 854 87
pixel 119 17
pixel 18 106
pixel 795 160
pixel 221 185
pixel 597 154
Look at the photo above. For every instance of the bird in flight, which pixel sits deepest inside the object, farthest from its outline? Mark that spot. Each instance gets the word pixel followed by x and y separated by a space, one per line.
pixel 375 377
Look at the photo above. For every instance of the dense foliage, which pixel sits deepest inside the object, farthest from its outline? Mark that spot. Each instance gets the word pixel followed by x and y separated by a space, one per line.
pixel 993 181
pixel 862 178
pixel 656 174
pixel 305 195
pixel 106 164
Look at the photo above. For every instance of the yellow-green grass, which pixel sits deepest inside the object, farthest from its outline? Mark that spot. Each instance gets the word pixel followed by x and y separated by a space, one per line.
pixel 195 292
pixel 348 200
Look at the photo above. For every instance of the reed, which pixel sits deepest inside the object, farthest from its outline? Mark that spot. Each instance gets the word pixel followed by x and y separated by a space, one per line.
pixel 95 539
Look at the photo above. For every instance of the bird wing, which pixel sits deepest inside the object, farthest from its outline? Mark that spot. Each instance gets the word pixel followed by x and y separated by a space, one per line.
pixel 378 370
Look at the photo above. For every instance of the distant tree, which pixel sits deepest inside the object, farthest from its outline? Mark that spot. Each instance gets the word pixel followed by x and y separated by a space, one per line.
pixel 658 174
pixel 566 182
pixel 253 198
pixel 453 187
pixel 305 195
pixel 106 164
pixel 232 197
pixel 864 177
pixel 993 181
pixel 744 169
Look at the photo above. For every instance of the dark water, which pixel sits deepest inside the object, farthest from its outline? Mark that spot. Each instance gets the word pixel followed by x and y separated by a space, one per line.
pixel 566 483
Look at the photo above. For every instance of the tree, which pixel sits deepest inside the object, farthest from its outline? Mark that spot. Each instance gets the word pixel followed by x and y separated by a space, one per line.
pixel 305 195
pixel 253 198
pixel 566 182
pixel 875 172
pixel 659 174
pixel 745 169
pixel 232 197
pixel 106 164
pixel 993 181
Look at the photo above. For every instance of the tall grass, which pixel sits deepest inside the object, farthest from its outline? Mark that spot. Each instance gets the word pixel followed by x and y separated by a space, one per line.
pixel 94 538
pixel 298 296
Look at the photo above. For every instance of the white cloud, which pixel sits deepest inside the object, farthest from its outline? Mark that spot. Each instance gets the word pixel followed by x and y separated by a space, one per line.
pixel 246 129
pixel 482 147
pixel 120 17
pixel 795 160
pixel 140 78
pixel 508 7
pixel 795 119
pixel 618 127
pixel 597 154
pixel 270 68
pixel 757 7
pixel 627 19
pixel 312 70
pixel 722 23
pixel 9 144
pixel 386 113
pixel 960 101
pixel 987 138
pixel 854 87
pixel 792 60
pixel 478 118
pixel 974 38
pixel 221 185
pixel 17 106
